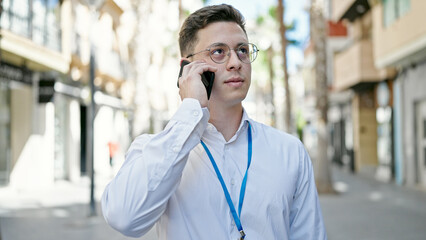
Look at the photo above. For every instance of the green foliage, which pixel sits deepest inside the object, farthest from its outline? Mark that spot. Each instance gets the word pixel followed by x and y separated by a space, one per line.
pixel 260 20
pixel 187 13
pixel 263 58
pixel 291 26
pixel 294 42
pixel 273 12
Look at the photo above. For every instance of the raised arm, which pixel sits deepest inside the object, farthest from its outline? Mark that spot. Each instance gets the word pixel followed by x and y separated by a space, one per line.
pixel 136 198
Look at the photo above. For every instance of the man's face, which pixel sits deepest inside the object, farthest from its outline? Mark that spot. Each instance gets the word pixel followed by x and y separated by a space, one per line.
pixel 233 77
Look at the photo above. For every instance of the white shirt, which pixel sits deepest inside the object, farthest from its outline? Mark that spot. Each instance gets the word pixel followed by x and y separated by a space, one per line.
pixel 168 180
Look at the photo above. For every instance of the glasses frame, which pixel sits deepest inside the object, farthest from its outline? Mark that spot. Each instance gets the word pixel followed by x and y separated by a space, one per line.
pixel 255 52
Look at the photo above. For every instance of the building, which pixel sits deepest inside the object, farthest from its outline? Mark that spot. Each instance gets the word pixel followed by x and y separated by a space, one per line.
pixel 157 58
pixel 45 90
pixel 399 41
pixel 383 67
pixel 359 83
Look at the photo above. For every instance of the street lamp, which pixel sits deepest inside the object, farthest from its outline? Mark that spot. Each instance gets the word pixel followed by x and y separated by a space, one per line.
pixel 94 6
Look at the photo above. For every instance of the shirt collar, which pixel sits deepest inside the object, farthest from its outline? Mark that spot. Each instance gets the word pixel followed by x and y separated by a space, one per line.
pixel 245 120
pixel 243 126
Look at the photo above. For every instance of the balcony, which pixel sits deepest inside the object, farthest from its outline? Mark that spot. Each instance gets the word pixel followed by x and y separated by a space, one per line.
pixel 40 27
pixel 355 65
pixel 31 35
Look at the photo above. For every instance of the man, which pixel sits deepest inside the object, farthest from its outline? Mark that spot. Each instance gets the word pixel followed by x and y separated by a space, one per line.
pixel 214 173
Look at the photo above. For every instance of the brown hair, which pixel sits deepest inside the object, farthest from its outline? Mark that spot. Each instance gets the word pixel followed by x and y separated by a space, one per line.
pixel 203 17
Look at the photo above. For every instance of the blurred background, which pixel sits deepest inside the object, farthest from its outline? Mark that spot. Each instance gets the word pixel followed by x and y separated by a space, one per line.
pixel 80 79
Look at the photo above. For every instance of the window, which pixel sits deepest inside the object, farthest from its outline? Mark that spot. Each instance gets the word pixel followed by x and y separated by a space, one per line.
pixel 45 23
pixel 394 9
pixel 37 20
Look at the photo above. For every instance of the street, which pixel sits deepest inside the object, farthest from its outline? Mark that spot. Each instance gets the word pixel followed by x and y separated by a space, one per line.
pixel 365 209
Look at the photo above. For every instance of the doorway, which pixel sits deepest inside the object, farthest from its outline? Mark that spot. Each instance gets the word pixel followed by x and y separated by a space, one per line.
pixel 421 141
pixel 83 140
pixel 4 132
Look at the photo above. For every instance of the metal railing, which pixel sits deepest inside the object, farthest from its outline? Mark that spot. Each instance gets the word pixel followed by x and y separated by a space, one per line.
pixel 45 34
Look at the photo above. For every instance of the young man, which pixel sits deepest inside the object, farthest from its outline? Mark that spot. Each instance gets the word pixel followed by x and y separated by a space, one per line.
pixel 214 173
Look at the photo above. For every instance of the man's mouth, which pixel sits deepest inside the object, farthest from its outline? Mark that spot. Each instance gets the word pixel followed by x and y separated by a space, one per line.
pixel 234 80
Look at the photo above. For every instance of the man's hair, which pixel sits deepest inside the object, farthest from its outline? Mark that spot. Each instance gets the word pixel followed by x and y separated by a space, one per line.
pixel 203 17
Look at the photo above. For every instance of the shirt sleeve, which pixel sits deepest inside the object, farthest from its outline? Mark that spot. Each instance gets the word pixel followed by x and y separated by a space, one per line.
pixel 136 198
pixel 306 221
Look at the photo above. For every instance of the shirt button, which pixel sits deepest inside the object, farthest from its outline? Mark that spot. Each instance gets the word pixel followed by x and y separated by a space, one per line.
pixel 232 181
pixel 195 113
pixel 176 149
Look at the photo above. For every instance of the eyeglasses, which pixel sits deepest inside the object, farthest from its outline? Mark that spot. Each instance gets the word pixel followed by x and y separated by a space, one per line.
pixel 220 52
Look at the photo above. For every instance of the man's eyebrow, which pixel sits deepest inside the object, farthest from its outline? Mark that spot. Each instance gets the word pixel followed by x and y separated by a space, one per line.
pixel 241 43
pixel 218 44
pixel 222 44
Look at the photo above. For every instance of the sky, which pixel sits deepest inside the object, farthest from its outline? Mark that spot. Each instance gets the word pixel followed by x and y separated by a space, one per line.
pixel 294 11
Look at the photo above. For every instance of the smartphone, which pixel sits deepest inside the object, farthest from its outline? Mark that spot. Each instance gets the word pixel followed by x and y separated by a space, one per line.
pixel 207 78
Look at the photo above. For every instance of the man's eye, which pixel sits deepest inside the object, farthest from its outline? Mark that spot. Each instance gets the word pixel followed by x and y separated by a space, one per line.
pixel 243 50
pixel 218 51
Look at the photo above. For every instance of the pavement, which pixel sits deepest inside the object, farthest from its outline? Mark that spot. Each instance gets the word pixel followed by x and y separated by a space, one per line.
pixel 58 212
pixel 364 209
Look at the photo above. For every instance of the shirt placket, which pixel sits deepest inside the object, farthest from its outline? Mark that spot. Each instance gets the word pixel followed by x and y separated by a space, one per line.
pixel 232 182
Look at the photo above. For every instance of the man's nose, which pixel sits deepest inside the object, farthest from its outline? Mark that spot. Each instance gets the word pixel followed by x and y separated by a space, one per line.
pixel 234 61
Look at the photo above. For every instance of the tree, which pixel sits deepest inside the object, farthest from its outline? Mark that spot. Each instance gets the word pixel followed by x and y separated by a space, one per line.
pixel 280 17
pixel 319 41
pixel 270 55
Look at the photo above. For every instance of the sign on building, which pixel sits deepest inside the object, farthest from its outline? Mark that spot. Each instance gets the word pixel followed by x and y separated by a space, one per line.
pixel 46 90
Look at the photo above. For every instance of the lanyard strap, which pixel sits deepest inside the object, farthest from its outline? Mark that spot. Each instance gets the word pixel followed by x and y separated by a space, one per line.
pixel 243 185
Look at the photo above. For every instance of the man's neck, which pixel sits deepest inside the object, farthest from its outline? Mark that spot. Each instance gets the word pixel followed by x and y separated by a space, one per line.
pixel 226 120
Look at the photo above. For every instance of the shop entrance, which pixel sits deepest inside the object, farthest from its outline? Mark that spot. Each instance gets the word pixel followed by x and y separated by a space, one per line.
pixel 421 141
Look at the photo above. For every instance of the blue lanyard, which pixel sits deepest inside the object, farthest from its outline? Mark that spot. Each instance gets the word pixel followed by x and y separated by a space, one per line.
pixel 243 185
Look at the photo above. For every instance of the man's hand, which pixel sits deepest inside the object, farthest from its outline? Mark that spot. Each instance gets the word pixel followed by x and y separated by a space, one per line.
pixel 190 84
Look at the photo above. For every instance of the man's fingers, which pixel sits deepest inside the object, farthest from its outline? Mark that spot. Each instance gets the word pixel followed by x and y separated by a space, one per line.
pixel 190 84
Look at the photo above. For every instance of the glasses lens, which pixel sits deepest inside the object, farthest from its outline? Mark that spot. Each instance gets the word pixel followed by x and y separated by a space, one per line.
pixel 219 53
pixel 247 52
pixel 243 52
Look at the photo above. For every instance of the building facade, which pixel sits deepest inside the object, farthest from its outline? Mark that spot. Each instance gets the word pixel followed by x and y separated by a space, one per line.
pixel 45 90
pixel 355 72
pixel 382 66
pixel 400 42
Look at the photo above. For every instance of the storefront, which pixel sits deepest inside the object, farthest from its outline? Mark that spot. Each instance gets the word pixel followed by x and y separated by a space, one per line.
pixel 384 115
pixel 411 125
pixel 72 135
pixel 15 83
pixel 341 129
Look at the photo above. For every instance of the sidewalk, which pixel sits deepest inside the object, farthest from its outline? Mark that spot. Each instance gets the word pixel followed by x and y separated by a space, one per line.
pixel 364 210
pixel 61 212
pixel 371 210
